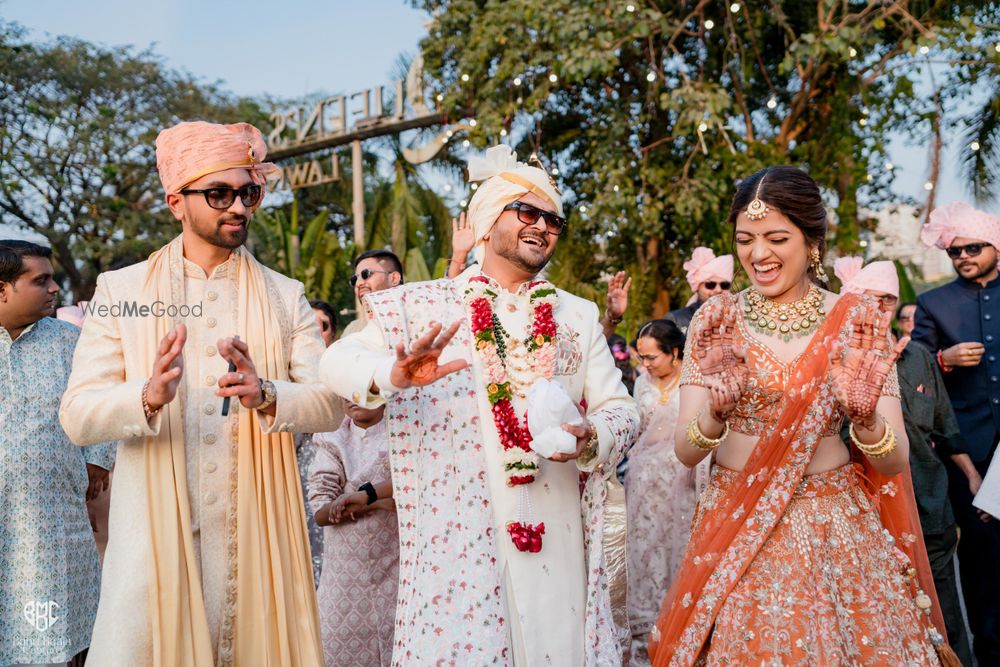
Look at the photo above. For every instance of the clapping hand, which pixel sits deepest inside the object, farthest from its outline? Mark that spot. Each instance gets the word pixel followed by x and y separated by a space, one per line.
pixel 168 367
pixel 859 370
pixel 722 361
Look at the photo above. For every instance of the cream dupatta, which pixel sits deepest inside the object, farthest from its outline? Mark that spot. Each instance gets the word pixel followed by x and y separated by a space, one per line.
pixel 271 616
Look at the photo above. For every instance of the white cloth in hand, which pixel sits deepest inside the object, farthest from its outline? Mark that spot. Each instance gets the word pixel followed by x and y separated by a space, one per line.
pixel 988 498
pixel 549 407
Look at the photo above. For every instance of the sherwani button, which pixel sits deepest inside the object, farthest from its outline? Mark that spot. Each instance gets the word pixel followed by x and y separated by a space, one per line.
pixel 989 338
pixel 987 316
pixel 209 439
pixel 210 498
pixel 211 322
pixel 210 467
pixel 209 409
pixel 210 350
pixel 212 296
pixel 210 380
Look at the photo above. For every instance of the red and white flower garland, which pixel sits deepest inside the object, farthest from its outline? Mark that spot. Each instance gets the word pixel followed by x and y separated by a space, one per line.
pixel 519 460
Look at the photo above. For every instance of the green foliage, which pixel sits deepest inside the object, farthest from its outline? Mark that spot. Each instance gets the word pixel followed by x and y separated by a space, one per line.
pixel 655 113
pixel 77 161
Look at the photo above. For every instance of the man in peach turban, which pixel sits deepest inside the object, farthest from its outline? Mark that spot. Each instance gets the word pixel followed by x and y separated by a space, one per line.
pixel 707 275
pixel 203 362
pixel 500 556
pixel 960 324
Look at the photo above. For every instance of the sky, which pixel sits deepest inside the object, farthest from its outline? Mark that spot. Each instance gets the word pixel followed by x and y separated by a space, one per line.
pixel 294 48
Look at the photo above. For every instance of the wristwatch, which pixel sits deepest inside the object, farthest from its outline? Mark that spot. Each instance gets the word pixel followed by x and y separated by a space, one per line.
pixel 270 396
pixel 369 488
pixel 589 452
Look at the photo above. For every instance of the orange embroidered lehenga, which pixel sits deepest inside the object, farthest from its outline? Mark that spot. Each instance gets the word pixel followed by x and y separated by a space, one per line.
pixel 794 569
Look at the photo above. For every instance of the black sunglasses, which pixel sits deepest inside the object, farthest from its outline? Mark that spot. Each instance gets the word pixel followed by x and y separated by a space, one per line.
pixel 710 284
pixel 365 274
pixel 528 215
pixel 971 250
pixel 222 198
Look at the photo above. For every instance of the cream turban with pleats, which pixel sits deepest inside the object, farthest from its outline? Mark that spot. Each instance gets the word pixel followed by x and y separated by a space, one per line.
pixel 504 181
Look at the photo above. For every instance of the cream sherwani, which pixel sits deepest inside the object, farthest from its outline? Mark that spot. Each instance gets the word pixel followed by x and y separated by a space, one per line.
pixel 103 402
pixel 544 597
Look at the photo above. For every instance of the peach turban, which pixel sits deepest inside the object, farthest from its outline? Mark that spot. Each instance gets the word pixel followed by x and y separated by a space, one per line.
pixel 877 276
pixel 188 151
pixel 505 180
pixel 704 264
pixel 960 219
pixel 73 314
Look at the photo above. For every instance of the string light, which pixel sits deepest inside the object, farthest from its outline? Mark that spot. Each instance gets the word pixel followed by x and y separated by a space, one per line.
pixel 517 81
pixel 630 8
pixel 853 51
pixel 863 244
pixel 450 134
pixel 928 185
pixel 503 133
pixel 555 171
pixel 974 146
pixel 703 127
pixel 709 24
pixel 651 77
pixel 462 203
pixel 863 122
pixel 473 122
pixel 444 140
pixel 440 97
pixel 997 47
pixel 869 178
pixel 553 78
pixel 466 144
pixel 465 77
pixel 583 209
pixel 924 50
pixel 616 188
pixel 772 103
pixel 447 187
pixel 889 166
pixel 735 7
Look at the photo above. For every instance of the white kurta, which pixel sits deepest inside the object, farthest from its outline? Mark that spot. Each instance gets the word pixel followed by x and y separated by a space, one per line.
pixel 103 402
pixel 544 595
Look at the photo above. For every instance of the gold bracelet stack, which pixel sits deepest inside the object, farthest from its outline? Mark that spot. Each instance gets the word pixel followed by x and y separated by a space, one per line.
pixel 877 450
pixel 701 441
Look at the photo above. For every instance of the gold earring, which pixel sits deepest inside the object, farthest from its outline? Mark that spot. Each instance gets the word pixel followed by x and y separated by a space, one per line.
pixel 817 265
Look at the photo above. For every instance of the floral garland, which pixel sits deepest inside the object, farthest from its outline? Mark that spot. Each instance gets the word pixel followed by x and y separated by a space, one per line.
pixel 519 460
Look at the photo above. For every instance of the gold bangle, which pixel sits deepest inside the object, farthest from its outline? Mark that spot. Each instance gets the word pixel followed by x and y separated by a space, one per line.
pixel 876 450
pixel 701 441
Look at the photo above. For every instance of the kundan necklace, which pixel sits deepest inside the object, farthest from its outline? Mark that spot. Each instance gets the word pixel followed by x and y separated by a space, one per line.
pixel 798 318
pixel 492 343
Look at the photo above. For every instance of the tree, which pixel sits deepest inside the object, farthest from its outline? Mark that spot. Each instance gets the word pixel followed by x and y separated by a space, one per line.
pixel 652 110
pixel 77 157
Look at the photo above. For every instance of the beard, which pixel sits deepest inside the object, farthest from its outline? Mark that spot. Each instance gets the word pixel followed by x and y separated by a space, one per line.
pixel 221 236
pixel 522 257
pixel 977 271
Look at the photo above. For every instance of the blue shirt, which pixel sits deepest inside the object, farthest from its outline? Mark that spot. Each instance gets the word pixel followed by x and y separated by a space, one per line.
pixel 49 570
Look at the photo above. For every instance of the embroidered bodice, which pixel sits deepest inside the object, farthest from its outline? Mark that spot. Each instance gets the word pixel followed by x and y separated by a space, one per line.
pixel 767 381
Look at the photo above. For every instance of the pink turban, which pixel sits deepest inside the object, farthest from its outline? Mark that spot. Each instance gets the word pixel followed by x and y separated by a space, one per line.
pixel 960 219
pixel 72 314
pixel 704 264
pixel 188 151
pixel 505 181
pixel 877 276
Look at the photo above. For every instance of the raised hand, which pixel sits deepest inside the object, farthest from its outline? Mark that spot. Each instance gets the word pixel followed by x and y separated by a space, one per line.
pixel 419 366
pixel 722 361
pixel 617 299
pixel 168 367
pixel 462 240
pixel 859 369
pixel 243 382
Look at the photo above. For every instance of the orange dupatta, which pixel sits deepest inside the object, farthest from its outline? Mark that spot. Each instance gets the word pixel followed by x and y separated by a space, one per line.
pixel 733 532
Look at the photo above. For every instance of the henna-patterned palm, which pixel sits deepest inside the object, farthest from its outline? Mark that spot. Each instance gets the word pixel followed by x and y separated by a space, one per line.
pixel 859 369
pixel 722 361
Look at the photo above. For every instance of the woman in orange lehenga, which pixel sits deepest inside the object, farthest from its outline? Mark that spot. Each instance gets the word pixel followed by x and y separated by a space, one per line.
pixel 798 556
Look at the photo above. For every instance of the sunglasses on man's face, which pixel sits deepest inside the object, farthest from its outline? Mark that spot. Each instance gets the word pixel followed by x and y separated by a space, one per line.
pixel 365 274
pixel 971 250
pixel 528 215
pixel 222 198
pixel 710 284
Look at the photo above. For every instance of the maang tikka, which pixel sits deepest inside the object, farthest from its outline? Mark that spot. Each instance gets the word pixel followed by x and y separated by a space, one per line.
pixel 756 209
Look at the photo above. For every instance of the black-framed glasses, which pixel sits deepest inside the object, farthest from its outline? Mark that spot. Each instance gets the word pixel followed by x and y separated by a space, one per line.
pixel 710 284
pixel 528 215
pixel 222 198
pixel 365 274
pixel 971 249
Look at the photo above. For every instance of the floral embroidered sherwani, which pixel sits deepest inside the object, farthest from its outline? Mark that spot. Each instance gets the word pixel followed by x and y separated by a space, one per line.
pixel 467 596
pixel 103 400
pixel 49 571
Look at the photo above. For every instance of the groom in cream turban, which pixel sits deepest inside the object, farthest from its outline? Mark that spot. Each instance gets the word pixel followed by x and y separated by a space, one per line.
pixel 208 559
pixel 498 564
